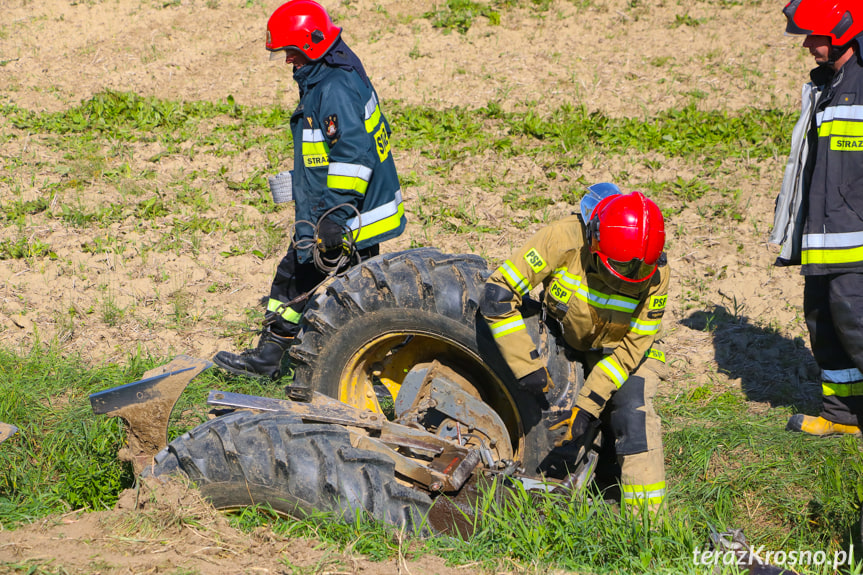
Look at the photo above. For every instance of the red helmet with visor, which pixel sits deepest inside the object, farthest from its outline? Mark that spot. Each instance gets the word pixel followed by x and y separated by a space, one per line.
pixel 301 25
pixel 841 20
pixel 627 234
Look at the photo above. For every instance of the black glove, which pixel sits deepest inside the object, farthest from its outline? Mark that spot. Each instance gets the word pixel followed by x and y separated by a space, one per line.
pixel 329 235
pixel 536 382
pixel 566 457
pixel 582 422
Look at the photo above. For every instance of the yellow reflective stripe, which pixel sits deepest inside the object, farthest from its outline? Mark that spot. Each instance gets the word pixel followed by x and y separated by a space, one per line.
pixel 604 301
pixel 841 128
pixel 507 326
pixel 372 122
pixel 614 371
pixel 841 389
pixel 287 313
pixel 378 221
pixel 347 183
pixel 513 277
pixel 833 248
pixel 315 150
pixel 839 256
pixel 373 114
pixel 842 382
pixel 570 281
pixel 354 177
pixel 593 297
pixel 645 327
pixel 639 494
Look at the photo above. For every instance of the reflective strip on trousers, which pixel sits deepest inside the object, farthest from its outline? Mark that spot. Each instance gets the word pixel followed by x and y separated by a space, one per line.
pixel 507 326
pixel 652 493
pixel 343 176
pixel 378 221
pixel 285 312
pixel 842 382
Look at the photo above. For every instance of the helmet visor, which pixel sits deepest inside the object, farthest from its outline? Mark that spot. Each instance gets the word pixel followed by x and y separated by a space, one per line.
pixel 635 270
pixel 284 53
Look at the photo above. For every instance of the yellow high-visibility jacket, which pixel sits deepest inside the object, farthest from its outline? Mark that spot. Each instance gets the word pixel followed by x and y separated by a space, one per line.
pixel 597 310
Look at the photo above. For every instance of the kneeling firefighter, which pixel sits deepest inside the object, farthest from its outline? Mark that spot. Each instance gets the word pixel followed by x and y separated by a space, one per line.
pixel 605 280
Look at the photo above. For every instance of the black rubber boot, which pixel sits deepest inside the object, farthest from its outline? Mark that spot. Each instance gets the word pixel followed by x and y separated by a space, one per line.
pixel 265 360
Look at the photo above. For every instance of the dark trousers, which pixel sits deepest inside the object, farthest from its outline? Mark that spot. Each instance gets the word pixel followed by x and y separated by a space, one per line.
pixel 295 279
pixel 833 306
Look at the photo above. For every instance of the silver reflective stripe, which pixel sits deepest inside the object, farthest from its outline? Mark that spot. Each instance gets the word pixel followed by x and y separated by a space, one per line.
pixel 839 240
pixel 350 170
pixel 644 327
pixel 507 326
pixel 313 136
pixel 840 113
pixel 614 371
pixel 602 300
pixel 379 213
pixel 851 375
pixel 371 105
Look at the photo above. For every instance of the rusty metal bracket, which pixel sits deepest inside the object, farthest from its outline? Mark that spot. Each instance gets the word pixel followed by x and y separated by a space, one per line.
pixel 145 405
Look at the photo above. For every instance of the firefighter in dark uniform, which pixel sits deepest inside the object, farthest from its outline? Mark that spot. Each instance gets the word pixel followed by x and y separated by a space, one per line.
pixel 345 185
pixel 605 279
pixel 819 211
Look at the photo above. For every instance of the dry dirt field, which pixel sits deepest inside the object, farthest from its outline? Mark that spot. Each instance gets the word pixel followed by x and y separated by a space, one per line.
pixel 624 58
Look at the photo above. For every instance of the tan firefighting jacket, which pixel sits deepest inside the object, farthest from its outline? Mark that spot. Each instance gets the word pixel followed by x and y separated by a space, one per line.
pixel 597 310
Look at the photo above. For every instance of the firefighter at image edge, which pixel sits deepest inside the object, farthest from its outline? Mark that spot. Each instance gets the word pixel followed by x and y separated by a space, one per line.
pixel 605 279
pixel 344 176
pixel 819 210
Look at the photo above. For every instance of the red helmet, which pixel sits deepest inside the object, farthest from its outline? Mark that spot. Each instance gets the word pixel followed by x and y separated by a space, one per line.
pixel 301 25
pixel 842 20
pixel 627 234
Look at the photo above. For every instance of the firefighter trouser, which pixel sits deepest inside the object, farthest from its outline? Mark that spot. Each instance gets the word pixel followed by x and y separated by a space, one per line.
pixel 294 279
pixel 638 438
pixel 833 306
pixel 637 431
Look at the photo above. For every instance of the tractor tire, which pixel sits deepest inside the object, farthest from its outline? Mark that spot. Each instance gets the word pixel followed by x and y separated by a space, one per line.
pixel 393 312
pixel 247 458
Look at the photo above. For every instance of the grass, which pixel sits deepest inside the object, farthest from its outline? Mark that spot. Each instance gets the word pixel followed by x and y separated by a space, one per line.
pixel 728 467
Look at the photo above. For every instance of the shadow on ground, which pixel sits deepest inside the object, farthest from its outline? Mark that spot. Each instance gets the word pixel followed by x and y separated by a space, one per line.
pixel 771 368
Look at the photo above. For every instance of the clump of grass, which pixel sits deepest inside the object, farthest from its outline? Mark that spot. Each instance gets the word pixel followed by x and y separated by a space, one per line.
pixel 63 457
